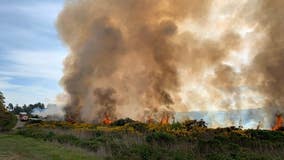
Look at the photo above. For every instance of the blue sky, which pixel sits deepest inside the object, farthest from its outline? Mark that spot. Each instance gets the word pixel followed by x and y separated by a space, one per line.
pixel 31 53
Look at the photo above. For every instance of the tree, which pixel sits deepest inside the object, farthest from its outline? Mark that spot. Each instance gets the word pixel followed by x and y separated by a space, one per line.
pixel 2 102
pixel 28 109
pixel 17 109
pixel 10 107
pixel 7 119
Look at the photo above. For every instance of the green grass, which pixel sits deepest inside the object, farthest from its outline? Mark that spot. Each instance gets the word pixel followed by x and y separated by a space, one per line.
pixel 15 147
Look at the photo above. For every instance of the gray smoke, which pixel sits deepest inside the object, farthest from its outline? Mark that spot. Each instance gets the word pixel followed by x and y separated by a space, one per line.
pixel 142 57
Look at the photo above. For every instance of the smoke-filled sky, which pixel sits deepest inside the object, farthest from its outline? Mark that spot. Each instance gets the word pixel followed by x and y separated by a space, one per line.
pixel 31 53
pixel 141 58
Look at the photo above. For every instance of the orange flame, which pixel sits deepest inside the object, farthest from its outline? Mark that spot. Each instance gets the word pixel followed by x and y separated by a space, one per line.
pixel 149 120
pixel 165 119
pixel 107 120
pixel 278 122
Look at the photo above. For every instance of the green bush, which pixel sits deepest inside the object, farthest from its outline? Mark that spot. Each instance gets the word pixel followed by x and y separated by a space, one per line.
pixel 266 135
pixel 177 126
pixel 160 137
pixel 145 152
pixel 138 126
pixel 37 133
pixel 7 121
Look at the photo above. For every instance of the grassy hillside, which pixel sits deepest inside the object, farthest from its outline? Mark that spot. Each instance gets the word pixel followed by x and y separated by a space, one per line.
pixel 190 140
pixel 15 147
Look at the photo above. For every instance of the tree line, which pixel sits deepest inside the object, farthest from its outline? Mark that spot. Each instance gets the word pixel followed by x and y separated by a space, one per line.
pixel 25 108
pixel 16 109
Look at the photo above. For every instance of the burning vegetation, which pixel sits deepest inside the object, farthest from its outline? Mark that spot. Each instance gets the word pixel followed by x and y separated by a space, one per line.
pixel 278 125
pixel 165 119
pixel 107 119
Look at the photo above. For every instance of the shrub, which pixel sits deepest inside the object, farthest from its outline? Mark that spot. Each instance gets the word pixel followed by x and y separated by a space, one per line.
pixel 177 126
pixel 138 126
pixel 145 152
pixel 37 133
pixel 190 124
pixel 7 121
pixel 160 137
pixel 266 135
pixel 122 122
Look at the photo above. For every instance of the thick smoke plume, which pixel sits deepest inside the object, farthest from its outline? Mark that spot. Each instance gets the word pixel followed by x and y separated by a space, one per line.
pixel 146 58
pixel 269 63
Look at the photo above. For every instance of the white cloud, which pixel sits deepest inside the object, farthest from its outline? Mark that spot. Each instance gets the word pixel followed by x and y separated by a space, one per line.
pixel 26 94
pixel 5 84
pixel 30 94
pixel 34 65
pixel 43 64
pixel 31 56
pixel 44 11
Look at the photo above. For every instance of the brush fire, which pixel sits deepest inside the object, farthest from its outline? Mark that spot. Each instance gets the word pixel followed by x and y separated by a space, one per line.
pixel 140 58
pixel 106 119
pixel 165 119
pixel 154 79
pixel 278 122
